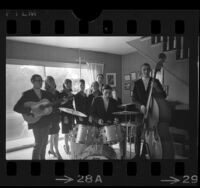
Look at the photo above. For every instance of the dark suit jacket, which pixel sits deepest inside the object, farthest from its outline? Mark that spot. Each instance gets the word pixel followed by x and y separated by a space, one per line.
pixel 98 111
pixel 30 95
pixel 90 100
pixel 81 105
pixel 140 95
pixel 81 102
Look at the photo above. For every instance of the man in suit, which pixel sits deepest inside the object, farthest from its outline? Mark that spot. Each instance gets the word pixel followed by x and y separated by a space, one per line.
pixel 95 93
pixel 41 127
pixel 102 112
pixel 100 79
pixel 140 96
pixel 103 107
pixel 81 102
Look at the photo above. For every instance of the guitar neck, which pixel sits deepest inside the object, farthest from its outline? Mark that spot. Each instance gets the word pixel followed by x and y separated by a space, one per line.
pixel 59 101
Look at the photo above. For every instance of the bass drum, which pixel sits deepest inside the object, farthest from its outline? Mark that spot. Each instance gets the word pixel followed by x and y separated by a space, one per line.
pixel 98 152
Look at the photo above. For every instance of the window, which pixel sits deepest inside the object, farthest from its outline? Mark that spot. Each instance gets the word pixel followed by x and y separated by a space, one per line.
pixel 18 80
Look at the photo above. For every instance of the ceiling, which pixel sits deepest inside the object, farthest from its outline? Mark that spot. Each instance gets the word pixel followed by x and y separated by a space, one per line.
pixel 113 45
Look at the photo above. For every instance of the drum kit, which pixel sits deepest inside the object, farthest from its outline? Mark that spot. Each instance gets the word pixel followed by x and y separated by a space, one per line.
pixel 91 142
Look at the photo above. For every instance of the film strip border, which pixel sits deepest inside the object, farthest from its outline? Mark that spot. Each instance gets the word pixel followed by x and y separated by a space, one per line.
pixel 99 172
pixel 109 23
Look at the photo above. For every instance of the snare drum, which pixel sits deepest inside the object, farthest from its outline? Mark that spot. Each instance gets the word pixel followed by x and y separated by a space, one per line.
pixel 86 134
pixel 112 134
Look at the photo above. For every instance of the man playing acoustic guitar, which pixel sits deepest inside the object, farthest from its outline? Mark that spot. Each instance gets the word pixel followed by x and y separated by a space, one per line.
pixel 41 127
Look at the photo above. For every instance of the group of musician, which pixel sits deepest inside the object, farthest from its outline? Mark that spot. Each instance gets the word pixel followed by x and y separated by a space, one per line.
pixel 99 106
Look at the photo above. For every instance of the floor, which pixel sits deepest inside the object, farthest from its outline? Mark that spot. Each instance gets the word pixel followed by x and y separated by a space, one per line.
pixel 25 154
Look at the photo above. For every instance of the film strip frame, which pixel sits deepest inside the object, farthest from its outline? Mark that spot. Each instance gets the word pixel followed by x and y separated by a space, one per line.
pixel 109 23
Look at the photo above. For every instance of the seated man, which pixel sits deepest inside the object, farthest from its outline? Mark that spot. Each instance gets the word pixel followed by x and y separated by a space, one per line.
pixel 103 108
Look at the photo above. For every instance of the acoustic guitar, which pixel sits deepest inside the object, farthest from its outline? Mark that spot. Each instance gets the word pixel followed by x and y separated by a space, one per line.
pixel 42 108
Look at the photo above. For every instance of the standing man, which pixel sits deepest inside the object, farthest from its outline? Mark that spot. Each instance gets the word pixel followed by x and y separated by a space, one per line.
pixel 140 96
pixel 95 93
pixel 41 127
pixel 100 79
pixel 81 102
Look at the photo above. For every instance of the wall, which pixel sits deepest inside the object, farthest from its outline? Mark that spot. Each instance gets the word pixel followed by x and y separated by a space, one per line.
pixel 28 51
pixel 177 90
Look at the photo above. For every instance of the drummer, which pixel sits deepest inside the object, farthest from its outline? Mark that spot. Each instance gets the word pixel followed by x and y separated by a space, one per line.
pixel 81 102
pixel 102 112
pixel 103 107
pixel 67 120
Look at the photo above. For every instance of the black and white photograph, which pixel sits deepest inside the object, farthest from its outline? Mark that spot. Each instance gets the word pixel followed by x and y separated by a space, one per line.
pixel 60 103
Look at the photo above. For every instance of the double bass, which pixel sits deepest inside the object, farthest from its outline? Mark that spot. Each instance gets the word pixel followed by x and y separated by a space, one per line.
pixel 156 121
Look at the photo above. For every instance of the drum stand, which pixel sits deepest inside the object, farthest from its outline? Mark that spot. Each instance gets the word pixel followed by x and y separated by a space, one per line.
pixel 128 136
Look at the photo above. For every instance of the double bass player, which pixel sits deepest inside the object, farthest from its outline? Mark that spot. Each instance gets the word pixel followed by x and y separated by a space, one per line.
pixel 140 96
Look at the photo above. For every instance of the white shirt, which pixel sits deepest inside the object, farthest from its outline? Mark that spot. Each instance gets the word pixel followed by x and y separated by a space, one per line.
pixel 106 102
pixel 145 82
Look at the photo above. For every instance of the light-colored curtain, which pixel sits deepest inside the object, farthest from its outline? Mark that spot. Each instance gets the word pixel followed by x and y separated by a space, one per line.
pixel 93 70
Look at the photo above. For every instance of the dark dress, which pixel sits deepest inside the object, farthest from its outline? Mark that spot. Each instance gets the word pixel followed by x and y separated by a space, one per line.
pixel 81 106
pixel 67 120
pixel 54 127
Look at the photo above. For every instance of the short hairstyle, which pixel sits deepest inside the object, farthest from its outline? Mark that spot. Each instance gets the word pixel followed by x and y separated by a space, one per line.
pixel 162 56
pixel 95 82
pixel 100 75
pixel 107 87
pixel 68 81
pixel 33 77
pixel 146 64
pixel 82 81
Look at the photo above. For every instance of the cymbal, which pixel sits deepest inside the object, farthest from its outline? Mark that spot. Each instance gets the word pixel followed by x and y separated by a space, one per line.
pixel 129 124
pixel 73 112
pixel 128 104
pixel 126 113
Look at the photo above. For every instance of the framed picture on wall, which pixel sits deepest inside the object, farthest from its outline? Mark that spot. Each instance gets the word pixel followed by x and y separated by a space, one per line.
pixel 111 79
pixel 127 86
pixel 133 75
pixel 127 77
